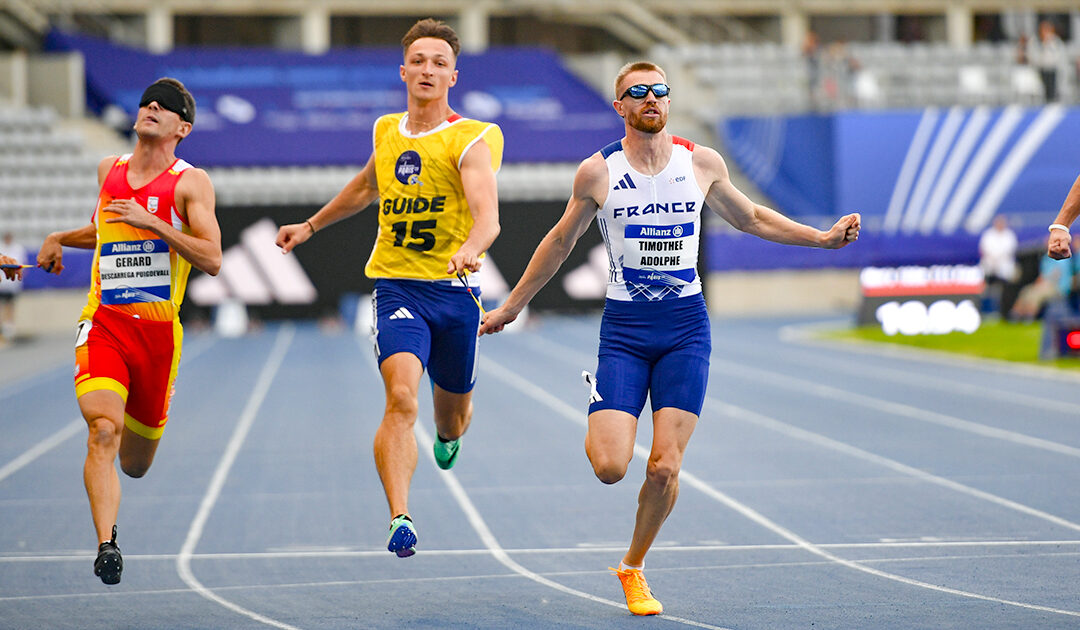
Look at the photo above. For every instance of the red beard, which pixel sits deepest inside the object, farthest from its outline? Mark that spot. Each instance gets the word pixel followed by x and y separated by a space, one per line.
pixel 648 125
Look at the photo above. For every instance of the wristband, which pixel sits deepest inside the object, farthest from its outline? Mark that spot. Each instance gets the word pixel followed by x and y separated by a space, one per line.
pixel 310 225
pixel 1058 226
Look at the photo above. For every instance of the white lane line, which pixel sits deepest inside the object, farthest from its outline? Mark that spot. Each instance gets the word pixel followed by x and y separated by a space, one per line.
pixel 217 481
pixel 850 397
pixel 63 434
pixel 817 439
pixel 917 379
pixel 492 544
pixel 845 396
pixel 41 448
pixel 511 378
pixel 804 334
pixel 505 576
pixel 80 556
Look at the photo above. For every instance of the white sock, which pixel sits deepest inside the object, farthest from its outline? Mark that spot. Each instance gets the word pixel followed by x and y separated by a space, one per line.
pixel 624 567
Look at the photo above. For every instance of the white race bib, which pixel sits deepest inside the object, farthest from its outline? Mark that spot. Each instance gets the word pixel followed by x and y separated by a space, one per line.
pixel 135 271
pixel 660 254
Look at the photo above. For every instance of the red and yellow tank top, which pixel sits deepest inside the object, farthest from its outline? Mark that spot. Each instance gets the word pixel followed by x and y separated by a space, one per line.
pixel 134 270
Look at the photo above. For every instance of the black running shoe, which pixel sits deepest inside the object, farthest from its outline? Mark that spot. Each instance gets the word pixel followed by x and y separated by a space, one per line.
pixel 109 564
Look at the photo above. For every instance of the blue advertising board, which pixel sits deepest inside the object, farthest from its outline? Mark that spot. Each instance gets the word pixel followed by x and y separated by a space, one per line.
pixel 938 171
pixel 262 107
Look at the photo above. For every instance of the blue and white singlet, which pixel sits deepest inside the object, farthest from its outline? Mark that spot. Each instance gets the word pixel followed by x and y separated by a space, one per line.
pixel 651 226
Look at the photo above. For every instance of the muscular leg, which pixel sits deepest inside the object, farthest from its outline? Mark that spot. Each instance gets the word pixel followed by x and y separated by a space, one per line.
pixel 136 453
pixel 395 444
pixel 609 443
pixel 671 432
pixel 103 411
pixel 453 412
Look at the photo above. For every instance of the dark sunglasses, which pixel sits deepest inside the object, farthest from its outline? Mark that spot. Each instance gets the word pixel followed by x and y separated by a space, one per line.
pixel 660 90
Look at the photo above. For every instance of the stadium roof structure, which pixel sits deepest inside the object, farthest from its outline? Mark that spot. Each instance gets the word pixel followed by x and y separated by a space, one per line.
pixel 634 23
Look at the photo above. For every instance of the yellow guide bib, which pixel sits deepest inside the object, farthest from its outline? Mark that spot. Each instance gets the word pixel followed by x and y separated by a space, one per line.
pixel 423 215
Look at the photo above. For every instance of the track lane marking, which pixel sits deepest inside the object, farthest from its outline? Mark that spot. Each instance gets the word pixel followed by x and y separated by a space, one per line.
pixel 509 377
pixel 217 481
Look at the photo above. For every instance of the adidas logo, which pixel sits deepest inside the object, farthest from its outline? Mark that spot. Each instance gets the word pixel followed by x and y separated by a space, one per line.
pixel 625 183
pixel 402 313
pixel 254 272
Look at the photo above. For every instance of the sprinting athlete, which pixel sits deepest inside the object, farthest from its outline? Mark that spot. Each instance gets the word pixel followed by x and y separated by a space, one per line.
pixel 433 172
pixel 647 192
pixel 1060 237
pixel 154 220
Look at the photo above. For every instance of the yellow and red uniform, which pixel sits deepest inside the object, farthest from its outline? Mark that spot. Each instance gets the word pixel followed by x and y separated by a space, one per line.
pixel 129 332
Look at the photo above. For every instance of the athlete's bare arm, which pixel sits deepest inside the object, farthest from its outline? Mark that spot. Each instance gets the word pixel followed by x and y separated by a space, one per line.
pixel 357 195
pixel 51 255
pixel 737 209
pixel 590 189
pixel 195 200
pixel 1059 244
pixel 482 195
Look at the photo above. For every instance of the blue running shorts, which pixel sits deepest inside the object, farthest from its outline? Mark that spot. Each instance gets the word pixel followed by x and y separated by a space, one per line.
pixel 657 349
pixel 436 321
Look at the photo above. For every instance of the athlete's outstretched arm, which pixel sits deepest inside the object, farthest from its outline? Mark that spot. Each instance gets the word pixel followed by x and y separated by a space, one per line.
pixel 354 197
pixel 1058 246
pixel 737 209
pixel 195 199
pixel 589 185
pixel 482 195
pixel 51 255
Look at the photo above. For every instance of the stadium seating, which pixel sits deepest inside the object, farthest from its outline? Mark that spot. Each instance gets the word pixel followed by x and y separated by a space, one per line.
pixel 47 179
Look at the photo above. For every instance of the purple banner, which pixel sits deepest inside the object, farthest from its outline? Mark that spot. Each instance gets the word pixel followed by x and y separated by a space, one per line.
pixel 259 107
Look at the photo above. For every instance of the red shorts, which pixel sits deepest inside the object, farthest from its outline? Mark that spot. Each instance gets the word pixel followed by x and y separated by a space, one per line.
pixel 135 358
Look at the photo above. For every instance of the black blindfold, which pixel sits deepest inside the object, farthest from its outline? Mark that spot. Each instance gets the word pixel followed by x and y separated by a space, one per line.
pixel 168 97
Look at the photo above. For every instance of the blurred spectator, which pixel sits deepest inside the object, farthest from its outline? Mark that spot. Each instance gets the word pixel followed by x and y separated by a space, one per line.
pixel 997 259
pixel 1054 284
pixel 811 52
pixel 9 289
pixel 838 74
pixel 1022 46
pixel 1047 54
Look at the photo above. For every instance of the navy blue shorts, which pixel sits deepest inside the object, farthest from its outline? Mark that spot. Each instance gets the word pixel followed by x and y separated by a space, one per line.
pixel 655 349
pixel 435 321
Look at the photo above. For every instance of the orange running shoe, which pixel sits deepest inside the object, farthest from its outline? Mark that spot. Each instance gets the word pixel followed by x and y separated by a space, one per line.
pixel 639 598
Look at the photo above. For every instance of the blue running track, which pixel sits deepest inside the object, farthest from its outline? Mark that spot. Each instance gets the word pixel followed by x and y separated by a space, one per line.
pixel 826 486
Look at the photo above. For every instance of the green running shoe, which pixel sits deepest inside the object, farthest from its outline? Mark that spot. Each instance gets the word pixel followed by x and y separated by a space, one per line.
pixel 402 538
pixel 446 452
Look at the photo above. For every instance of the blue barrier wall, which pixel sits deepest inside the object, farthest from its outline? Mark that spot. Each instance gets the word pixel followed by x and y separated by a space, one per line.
pixel 266 107
pixel 927 182
pixel 933 171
